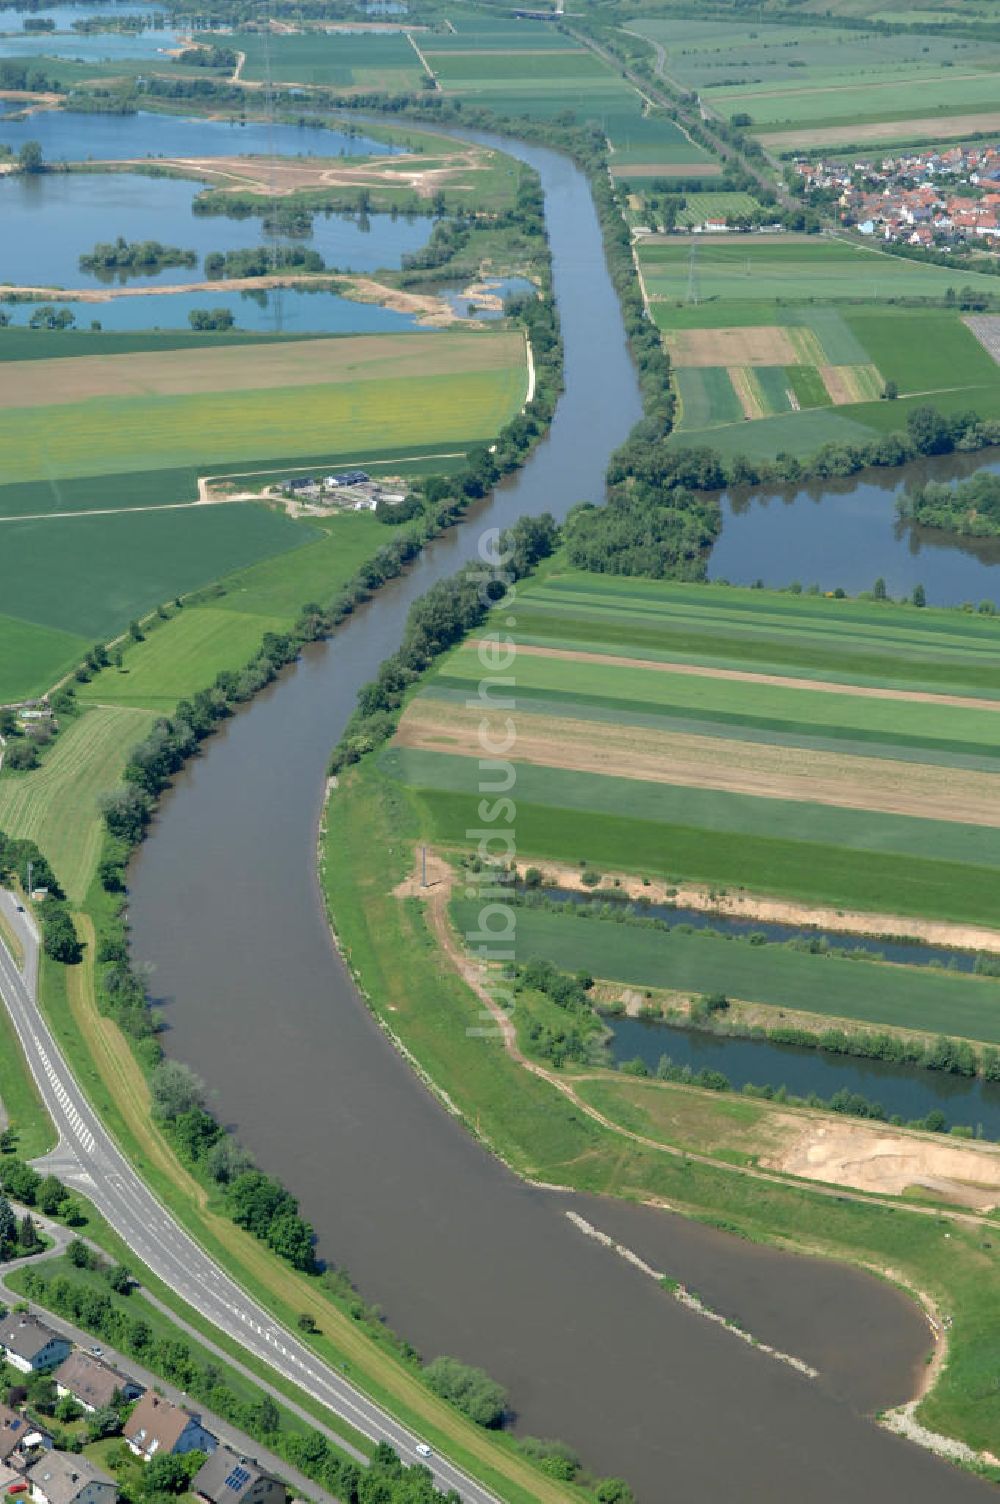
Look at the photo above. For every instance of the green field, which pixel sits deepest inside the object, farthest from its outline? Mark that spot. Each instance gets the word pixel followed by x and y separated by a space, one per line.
pixel 904 997
pixel 91 575
pixel 794 269
pixel 833 300
pixel 57 804
pixel 650 671
pixel 183 655
pixel 217 428
pixel 700 207
pixel 794 78
pixel 338 60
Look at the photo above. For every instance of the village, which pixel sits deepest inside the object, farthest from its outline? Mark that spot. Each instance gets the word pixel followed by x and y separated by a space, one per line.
pixel 50 1367
pixel 937 199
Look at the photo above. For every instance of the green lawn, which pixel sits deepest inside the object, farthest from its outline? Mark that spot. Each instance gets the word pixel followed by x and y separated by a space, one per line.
pixel 869 992
pixel 922 353
pixel 57 803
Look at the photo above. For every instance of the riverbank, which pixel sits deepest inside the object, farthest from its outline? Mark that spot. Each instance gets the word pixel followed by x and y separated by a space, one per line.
pixel 515 1109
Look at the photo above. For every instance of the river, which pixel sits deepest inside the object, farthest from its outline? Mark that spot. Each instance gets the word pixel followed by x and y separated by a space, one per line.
pixel 464 1257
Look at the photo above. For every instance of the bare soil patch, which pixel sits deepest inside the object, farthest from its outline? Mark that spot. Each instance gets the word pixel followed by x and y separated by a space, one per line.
pixel 764 345
pixel 284 175
pixel 746 392
pixel 986 328
pixel 870 1158
pixel 251 367
pixel 920 128
pixel 706 762
pixel 836 382
pixel 821 686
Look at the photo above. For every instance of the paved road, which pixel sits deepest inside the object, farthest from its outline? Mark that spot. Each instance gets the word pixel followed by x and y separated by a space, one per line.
pixel 87 1159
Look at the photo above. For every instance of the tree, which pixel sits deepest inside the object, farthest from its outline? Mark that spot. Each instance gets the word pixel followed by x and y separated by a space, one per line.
pixel 80 1255
pixel 469 1389
pixel 919 596
pixel 879 590
pixel 28 1234
pixel 126 813
pixel 176 1089
pixel 614 1491
pixel 52 1196
pixel 890 391
pixel 929 431
pixel 268 1416
pixel 30 158
pixel 8 1224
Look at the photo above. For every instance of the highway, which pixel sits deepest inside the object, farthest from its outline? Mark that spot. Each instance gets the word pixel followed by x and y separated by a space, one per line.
pixel 88 1159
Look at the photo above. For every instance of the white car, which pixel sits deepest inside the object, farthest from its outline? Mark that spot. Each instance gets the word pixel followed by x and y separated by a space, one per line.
pixel 423 1449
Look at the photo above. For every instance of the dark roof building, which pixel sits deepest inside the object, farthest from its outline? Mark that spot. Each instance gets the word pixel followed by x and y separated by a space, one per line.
pixel 227 1478
pixel 61 1478
pixel 30 1345
pixel 93 1385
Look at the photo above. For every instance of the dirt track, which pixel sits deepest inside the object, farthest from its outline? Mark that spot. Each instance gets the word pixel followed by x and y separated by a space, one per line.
pixel 922 790
pixel 821 686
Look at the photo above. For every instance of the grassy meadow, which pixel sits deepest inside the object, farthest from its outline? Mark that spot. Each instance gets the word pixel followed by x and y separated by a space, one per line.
pixel 351 63
pixel 800 335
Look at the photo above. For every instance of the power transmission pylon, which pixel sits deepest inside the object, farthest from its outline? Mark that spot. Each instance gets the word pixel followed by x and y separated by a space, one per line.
pixel 693 294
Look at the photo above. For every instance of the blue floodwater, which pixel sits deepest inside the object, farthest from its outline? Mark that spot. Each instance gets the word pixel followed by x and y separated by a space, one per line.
pixel 503 287
pixel 64 42
pixel 846 534
pixel 279 310
pixel 909 1091
pixel 49 220
pixel 900 951
pixel 68 137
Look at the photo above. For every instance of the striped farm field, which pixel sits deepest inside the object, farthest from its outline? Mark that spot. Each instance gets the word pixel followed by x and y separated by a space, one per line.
pixel 807 372
pixel 467 385
pixel 744 738
pixel 57 804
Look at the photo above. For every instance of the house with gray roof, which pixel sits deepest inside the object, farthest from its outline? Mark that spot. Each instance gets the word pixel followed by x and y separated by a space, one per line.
pixel 29 1345
pixel 64 1478
pixel 227 1478
pixel 92 1384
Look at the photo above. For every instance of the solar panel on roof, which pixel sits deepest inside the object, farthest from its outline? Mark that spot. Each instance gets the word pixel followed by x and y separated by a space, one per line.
pixel 238 1479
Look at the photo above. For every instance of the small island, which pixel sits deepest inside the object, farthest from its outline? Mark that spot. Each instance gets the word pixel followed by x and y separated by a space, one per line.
pixel 970 509
pixel 134 258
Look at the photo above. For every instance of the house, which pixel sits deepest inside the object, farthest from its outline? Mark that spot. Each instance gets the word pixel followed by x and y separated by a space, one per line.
pixel 18 1437
pixel 93 1385
pixel 156 1426
pixel 63 1478
pixel 227 1478
pixel 29 1345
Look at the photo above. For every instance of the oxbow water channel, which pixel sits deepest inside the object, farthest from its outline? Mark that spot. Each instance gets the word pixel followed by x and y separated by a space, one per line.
pixel 465 1258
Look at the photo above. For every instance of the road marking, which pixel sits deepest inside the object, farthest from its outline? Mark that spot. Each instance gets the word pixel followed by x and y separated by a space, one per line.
pixel 73 1117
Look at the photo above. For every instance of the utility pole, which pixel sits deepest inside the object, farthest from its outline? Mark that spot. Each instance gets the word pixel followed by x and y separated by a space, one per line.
pixel 423 866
